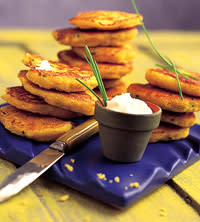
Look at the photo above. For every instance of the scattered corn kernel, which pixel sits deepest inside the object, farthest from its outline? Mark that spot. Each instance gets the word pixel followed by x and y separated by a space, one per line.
pixel 69 167
pixel 125 188
pixel 117 179
pixel 163 209
pixel 23 203
pixel 131 175
pixel 64 198
pixel 72 160
pixel 101 176
pixel 134 185
pixel 110 181
pixel 163 214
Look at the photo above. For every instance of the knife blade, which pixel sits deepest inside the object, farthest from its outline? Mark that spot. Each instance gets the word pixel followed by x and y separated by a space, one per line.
pixel 31 170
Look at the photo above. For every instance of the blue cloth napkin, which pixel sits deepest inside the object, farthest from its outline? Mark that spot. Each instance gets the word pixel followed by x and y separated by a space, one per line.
pixel 161 161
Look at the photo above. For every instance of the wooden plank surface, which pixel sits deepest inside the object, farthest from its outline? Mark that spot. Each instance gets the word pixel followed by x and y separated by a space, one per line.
pixel 189 181
pixel 40 201
pixel 79 206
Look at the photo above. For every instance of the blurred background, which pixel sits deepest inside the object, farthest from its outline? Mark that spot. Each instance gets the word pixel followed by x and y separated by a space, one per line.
pixel 158 14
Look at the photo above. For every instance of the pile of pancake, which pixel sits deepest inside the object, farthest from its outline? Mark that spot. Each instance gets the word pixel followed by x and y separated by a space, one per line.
pixel 50 97
pixel 42 108
pixel 108 34
pixel 177 114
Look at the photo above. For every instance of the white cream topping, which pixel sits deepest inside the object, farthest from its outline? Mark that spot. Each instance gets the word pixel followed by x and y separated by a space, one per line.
pixel 45 65
pixel 126 104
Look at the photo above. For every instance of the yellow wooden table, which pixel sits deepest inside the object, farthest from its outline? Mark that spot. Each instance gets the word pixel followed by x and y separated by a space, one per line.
pixel 176 201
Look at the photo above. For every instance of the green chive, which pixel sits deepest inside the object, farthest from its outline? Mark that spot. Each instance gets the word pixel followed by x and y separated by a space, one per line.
pixel 171 69
pixel 191 77
pixel 148 36
pixel 178 82
pixel 167 61
pixel 185 75
pixel 92 91
pixel 102 88
pixel 92 63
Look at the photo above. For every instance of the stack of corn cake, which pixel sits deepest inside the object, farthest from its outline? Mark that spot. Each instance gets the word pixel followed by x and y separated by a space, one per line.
pixel 49 98
pixel 177 114
pixel 108 34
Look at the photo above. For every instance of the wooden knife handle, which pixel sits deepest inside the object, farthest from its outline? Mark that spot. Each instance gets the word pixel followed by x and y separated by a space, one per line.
pixel 80 133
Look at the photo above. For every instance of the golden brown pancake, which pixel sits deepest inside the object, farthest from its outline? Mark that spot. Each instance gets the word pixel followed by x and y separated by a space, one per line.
pixel 178 119
pixel 119 89
pixel 168 132
pixel 80 102
pixel 106 20
pixel 107 70
pixel 33 126
pixel 63 80
pixel 20 98
pixel 109 83
pixel 110 54
pixel 165 99
pixel 80 38
pixel 167 80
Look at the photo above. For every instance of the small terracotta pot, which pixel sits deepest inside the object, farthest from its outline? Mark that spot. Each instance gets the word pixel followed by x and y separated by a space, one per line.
pixel 124 137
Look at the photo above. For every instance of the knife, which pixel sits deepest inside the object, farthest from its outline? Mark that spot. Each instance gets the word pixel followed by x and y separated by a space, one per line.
pixel 31 170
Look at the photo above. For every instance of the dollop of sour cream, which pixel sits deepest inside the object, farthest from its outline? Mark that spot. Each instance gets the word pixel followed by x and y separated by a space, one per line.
pixel 126 104
pixel 45 65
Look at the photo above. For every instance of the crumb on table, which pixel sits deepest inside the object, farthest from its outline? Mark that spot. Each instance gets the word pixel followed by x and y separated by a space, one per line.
pixel 134 185
pixel 101 176
pixel 69 167
pixel 163 212
pixel 126 188
pixel 117 179
pixel 110 181
pixel 72 160
pixel 64 198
